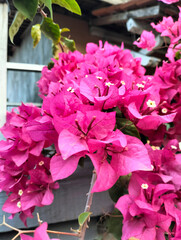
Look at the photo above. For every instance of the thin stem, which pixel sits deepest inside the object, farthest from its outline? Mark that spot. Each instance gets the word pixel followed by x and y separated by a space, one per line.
pixel 61 46
pixel 40 10
pixel 17 235
pixel 88 203
pixel 32 231
pixel 38 218
pixel 64 233
pixel 11 227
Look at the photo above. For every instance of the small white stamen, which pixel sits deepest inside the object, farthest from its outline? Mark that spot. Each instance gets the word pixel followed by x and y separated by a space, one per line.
pixel 152 166
pixel 86 76
pixel 121 68
pixel 151 104
pixel 70 89
pixel 143 82
pixel 109 84
pixel 20 192
pixel 98 77
pixel 123 82
pixel 179 145
pixel 155 148
pixel 41 163
pixel 144 186
pixel 139 85
pixel 164 110
pixel 173 147
pixel 19 204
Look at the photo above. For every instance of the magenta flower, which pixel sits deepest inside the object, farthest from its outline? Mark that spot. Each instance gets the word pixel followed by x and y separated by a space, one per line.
pixel 143 210
pixel 115 156
pixel 147 40
pixel 169 1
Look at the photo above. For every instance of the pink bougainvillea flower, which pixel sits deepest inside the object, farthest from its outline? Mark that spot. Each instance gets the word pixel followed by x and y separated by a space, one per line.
pixel 146 40
pixel 143 209
pixel 39 234
pixel 169 1
pixel 76 129
pixel 115 156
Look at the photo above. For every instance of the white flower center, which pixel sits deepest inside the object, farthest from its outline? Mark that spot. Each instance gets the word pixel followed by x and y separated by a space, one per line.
pixel 70 89
pixel 19 204
pixel 151 104
pixel 173 147
pixel 139 85
pixel 20 192
pixel 155 148
pixel 164 110
pixel 123 82
pixel 41 163
pixel 144 186
pixel 109 84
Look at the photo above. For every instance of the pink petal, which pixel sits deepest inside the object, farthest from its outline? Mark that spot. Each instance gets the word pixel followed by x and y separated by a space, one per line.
pixel 70 144
pixel 48 197
pixel 61 169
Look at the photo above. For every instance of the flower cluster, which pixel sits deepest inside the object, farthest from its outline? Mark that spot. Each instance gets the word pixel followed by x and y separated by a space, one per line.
pixel 86 100
pixel 152 206
pixel 24 170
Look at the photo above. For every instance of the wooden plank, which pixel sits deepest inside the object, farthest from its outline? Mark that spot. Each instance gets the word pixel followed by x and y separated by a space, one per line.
pixel 116 2
pixel 110 35
pixel 146 61
pixel 121 7
pixel 143 13
pixel 119 38
pixel 3 59
pixel 137 26
pixel 69 201
pixel 24 67
pixel 16 104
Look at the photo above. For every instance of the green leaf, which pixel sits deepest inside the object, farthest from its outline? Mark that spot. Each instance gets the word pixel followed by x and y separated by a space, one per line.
pixel 48 4
pixel 62 30
pixel 69 43
pixel 114 224
pixel 27 8
pixel 70 5
pixel 83 217
pixel 51 30
pixel 36 34
pixel 18 20
pixel 127 127
pixel 178 55
pixel 50 65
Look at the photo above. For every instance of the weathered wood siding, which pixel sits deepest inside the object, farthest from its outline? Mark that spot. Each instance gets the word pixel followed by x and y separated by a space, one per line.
pixel 21 86
pixel 3 59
